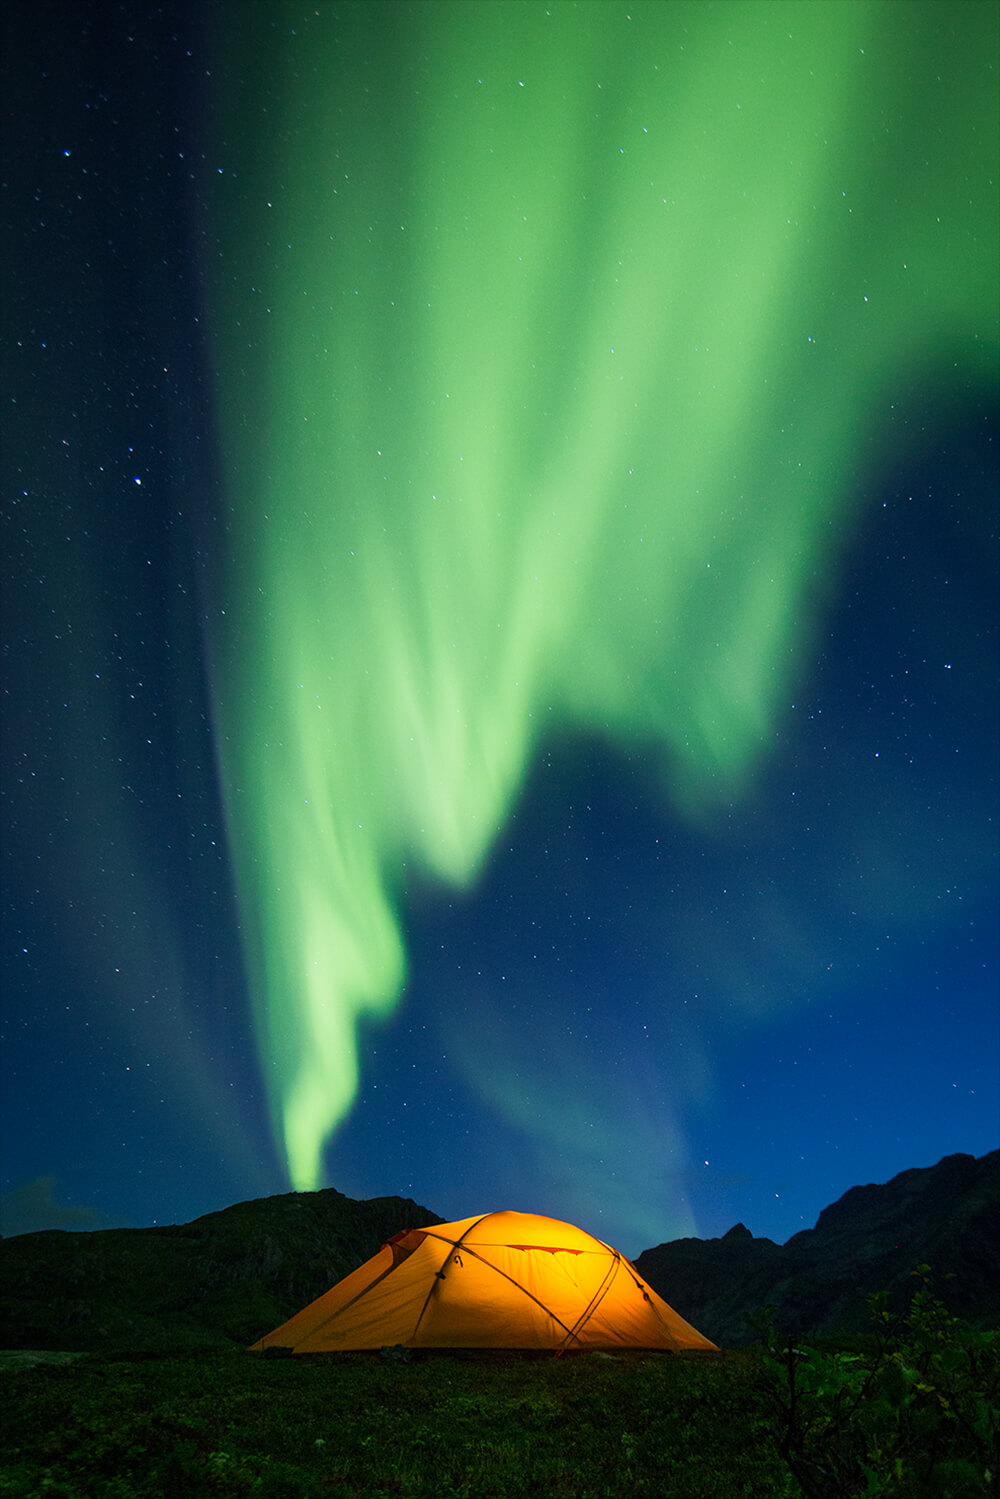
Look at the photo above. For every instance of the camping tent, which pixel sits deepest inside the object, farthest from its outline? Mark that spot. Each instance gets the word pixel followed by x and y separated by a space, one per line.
pixel 503 1280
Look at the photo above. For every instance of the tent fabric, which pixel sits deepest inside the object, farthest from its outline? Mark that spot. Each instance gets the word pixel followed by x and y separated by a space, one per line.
pixel 502 1280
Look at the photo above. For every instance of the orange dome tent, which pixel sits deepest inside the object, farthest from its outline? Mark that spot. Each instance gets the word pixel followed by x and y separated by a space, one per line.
pixel 503 1280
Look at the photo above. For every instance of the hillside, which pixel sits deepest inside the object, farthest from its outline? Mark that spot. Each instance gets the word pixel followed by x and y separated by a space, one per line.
pixel 946 1216
pixel 224 1278
pixel 228 1277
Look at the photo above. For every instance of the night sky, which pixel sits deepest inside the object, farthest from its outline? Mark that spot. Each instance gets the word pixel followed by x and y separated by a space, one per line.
pixel 500 622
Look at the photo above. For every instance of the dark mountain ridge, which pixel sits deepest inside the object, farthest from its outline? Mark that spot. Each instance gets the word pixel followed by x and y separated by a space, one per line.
pixel 230 1276
pixel 945 1216
pixel 224 1278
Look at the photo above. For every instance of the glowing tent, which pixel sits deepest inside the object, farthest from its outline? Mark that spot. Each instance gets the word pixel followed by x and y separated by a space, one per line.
pixel 503 1280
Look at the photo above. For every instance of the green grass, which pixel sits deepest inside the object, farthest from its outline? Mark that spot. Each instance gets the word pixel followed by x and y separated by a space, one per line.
pixel 585 1427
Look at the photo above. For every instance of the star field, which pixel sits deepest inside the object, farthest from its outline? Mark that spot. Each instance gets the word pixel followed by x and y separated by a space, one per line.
pixel 499 611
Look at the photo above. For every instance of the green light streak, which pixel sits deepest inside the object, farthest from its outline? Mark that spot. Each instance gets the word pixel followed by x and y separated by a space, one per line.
pixel 548 338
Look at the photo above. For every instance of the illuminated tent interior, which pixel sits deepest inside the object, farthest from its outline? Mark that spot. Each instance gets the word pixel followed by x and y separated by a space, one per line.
pixel 502 1280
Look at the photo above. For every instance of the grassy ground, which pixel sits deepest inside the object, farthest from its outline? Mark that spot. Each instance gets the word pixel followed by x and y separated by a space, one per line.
pixel 584 1427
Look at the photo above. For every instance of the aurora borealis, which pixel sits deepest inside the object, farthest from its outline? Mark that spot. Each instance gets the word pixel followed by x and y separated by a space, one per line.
pixel 565 568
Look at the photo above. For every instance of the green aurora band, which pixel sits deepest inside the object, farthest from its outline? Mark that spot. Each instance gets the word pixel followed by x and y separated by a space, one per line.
pixel 550 337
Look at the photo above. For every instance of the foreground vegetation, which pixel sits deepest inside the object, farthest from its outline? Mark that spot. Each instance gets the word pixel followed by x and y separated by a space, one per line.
pixel 583 1427
pixel 913 1414
pixel 909 1413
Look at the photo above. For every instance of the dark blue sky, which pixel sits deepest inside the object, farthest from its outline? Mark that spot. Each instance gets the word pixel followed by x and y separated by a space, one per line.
pixel 647 1024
